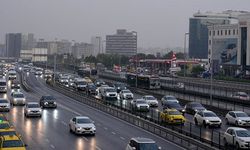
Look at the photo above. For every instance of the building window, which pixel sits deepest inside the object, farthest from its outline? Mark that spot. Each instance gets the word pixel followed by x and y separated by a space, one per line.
pixel 218 32
pixel 229 32
pixel 210 32
pixel 225 32
pixel 221 32
pixel 237 31
pixel 209 42
pixel 233 31
pixel 213 33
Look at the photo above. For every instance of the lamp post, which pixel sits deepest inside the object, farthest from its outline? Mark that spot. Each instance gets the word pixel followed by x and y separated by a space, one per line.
pixel 185 35
pixel 135 33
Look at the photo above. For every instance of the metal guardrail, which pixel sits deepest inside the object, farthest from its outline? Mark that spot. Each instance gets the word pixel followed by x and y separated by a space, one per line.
pixel 23 82
pixel 175 134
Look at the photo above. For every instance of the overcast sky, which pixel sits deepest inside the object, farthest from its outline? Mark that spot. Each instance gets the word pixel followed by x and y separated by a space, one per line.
pixel 159 23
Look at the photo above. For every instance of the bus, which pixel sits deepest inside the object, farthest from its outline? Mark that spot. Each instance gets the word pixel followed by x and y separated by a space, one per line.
pixel 87 72
pixel 143 81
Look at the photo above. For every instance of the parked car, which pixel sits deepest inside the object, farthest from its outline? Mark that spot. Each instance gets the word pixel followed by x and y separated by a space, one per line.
pixel 174 105
pixel 238 118
pixel 17 98
pixel 207 118
pixel 32 109
pixel 151 100
pixel 140 105
pixel 237 137
pixel 4 105
pixel 82 125
pixel 126 94
pixel 48 101
pixel 241 96
pixel 168 98
pixel 193 107
pixel 139 143
pixel 172 116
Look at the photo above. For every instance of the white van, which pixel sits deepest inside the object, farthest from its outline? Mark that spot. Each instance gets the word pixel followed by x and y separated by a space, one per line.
pixel 3 85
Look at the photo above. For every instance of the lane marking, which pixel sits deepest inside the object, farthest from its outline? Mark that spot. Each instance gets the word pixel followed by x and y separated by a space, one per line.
pixel 122 138
pixel 113 133
pixel 52 146
pixel 105 128
pixel 98 148
pixel 47 140
pixel 85 139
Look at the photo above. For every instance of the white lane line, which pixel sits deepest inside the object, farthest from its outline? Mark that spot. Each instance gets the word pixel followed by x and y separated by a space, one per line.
pixel 64 123
pixel 85 139
pixel 52 146
pixel 113 133
pixel 98 148
pixel 105 128
pixel 47 140
pixel 67 108
pixel 122 138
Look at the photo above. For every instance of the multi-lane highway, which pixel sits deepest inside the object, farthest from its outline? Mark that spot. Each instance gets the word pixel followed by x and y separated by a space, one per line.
pixel 52 131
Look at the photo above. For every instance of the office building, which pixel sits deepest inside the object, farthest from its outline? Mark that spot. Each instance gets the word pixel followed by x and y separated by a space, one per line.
pixel 64 47
pixel 97 45
pixel 28 41
pixel 122 43
pixel 13 43
pixel 82 50
pixel 2 50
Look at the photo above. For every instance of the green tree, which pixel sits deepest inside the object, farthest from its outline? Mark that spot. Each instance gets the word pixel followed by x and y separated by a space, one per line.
pixel 150 56
pixel 197 69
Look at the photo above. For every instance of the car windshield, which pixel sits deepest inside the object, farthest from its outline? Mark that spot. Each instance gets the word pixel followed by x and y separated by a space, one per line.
pixel 18 95
pixel 209 114
pixel 169 98
pixel 174 113
pixel 4 125
pixel 48 98
pixel 91 86
pixel 12 74
pixel 196 105
pixel 243 133
pixel 3 101
pixel 12 143
pixel 83 120
pixel 110 90
pixel 241 114
pixel 81 83
pixel 148 146
pixel 7 133
pixel 141 102
pixel 150 98
pixel 174 105
pixel 33 106
pixel 126 91
pixel 2 83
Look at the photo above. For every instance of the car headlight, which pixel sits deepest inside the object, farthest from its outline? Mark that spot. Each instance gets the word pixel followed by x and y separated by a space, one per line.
pixel 93 128
pixel 54 102
pixel 196 110
pixel 15 99
pixel 18 85
pixel 207 120
pixel 45 103
pixel 40 110
pixel 29 110
pixel 240 120
pixel 78 128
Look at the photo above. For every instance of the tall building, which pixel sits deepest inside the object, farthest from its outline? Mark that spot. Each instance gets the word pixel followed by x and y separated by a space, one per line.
pixel 64 47
pixel 28 41
pixel 97 45
pixel 122 43
pixel 2 50
pixel 198 30
pixel 13 43
pixel 82 50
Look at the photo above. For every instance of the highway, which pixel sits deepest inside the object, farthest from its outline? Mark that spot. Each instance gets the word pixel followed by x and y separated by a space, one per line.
pixel 52 132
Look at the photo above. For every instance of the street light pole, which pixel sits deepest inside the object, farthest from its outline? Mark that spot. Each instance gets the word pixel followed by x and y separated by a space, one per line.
pixel 136 59
pixel 211 64
pixel 185 53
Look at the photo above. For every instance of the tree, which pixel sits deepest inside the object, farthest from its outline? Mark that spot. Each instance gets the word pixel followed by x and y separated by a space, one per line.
pixel 150 56
pixel 197 69
pixel 168 55
pixel 179 55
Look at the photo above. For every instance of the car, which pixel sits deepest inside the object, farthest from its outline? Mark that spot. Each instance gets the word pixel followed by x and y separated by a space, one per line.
pixel 8 131
pixel 99 82
pixel 17 98
pixel 48 101
pixel 82 125
pixel 91 89
pixel 238 118
pixel 241 95
pixel 174 105
pixel 193 107
pixel 11 142
pixel 15 84
pixel 140 143
pixel 12 75
pixel 172 116
pixel 119 87
pixel 32 109
pixel 151 100
pixel 140 105
pixel 207 118
pixel 3 118
pixel 4 105
pixel 168 98
pixel 4 125
pixel 237 137
pixel 108 93
pixel 126 94
pixel 3 85
pixel 38 71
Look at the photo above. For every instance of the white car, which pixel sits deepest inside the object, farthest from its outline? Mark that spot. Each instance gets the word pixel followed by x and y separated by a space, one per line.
pixel 126 94
pixel 82 125
pixel 17 98
pixel 207 118
pixel 151 100
pixel 142 143
pixel 32 109
pixel 168 98
pixel 139 105
pixel 241 95
pixel 238 118
pixel 238 137
pixel 4 105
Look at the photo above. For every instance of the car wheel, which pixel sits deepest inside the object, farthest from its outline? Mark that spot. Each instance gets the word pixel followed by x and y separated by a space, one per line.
pixel 225 143
pixel 237 146
pixel 204 124
pixel 227 121
pixel 195 121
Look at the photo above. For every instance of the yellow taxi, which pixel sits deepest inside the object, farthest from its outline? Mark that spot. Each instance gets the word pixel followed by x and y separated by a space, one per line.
pixel 4 124
pixel 172 116
pixel 11 142
pixel 8 131
pixel 3 118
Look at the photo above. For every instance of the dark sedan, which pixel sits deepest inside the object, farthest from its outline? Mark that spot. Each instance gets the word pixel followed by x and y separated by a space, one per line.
pixel 48 101
pixel 194 107
pixel 173 105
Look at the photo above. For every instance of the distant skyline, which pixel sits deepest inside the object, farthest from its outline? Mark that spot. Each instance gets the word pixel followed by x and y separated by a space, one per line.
pixel 160 23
